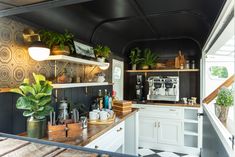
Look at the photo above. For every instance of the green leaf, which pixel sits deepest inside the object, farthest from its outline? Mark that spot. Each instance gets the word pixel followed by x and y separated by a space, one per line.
pixel 40 95
pixel 27 89
pixel 24 103
pixel 17 90
pixel 38 78
pixel 36 87
pixel 44 101
pixel 28 113
pixel 45 112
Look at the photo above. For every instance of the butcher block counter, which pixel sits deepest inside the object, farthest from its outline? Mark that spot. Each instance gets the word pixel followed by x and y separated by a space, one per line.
pixel 22 146
pixel 94 131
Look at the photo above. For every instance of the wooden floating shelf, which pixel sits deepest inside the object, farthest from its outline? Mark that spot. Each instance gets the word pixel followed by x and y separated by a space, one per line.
pixel 73 85
pixel 162 70
pixel 75 60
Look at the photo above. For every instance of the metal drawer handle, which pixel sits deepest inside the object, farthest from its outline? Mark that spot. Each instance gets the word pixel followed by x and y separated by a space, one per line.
pixel 142 108
pixel 96 147
pixel 119 129
pixel 172 110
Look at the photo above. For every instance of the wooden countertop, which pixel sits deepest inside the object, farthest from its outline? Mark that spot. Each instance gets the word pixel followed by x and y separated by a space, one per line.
pixel 168 104
pixel 94 131
pixel 20 148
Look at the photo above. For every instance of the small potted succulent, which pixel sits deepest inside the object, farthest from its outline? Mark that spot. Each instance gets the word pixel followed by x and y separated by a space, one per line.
pixel 60 44
pixel 102 52
pixel 223 102
pixel 148 60
pixel 135 57
pixel 36 101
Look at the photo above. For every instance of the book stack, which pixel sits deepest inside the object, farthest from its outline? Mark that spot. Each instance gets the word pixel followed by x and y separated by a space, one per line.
pixel 122 106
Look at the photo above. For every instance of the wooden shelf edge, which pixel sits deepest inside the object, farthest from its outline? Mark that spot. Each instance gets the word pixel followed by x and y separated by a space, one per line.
pixel 5 90
pixel 75 60
pixel 164 70
pixel 74 85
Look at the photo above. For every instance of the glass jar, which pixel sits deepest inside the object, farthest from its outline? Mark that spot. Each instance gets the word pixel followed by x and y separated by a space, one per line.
pixel 193 64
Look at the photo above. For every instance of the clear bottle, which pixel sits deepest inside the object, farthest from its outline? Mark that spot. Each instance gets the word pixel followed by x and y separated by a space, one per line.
pixel 106 99
pixel 193 64
pixel 110 101
pixel 100 100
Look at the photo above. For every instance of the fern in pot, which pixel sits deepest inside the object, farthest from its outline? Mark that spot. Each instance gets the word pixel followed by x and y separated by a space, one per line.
pixel 102 52
pixel 60 44
pixel 35 100
pixel 135 57
pixel 223 102
pixel 149 59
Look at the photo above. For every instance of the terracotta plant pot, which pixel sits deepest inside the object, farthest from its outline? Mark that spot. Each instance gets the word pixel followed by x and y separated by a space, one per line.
pixel 56 50
pixel 145 67
pixel 222 113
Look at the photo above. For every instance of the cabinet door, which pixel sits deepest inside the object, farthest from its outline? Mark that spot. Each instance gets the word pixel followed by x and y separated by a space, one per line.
pixel 147 129
pixel 169 131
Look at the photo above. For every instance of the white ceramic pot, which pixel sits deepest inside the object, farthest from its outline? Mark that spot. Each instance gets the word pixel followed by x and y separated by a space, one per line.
pixel 100 79
pixel 101 59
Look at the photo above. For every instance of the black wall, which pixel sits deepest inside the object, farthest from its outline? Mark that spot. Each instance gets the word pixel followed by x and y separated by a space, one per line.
pixel 167 49
pixel 12 120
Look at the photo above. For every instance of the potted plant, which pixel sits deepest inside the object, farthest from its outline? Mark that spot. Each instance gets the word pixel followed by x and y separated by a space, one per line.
pixel 135 57
pixel 102 52
pixel 36 101
pixel 223 102
pixel 148 60
pixel 60 44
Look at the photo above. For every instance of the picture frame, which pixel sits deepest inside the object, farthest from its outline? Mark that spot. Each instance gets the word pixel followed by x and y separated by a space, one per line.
pixel 83 49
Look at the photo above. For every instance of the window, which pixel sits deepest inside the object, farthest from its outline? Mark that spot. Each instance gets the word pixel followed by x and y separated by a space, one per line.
pixel 217 72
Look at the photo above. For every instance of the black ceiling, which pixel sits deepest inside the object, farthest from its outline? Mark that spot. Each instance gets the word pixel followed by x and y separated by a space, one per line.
pixel 119 23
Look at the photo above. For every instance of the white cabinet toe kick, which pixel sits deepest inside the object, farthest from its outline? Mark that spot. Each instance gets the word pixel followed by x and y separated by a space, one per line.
pixel 170 128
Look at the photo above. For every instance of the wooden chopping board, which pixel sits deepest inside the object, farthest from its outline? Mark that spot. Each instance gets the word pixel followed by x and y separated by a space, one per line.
pixel 179 60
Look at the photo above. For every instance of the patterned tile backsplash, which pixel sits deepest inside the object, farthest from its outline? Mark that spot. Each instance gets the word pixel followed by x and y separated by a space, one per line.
pixel 15 62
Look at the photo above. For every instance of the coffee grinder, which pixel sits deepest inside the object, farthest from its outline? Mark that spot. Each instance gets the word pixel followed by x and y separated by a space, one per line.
pixel 139 88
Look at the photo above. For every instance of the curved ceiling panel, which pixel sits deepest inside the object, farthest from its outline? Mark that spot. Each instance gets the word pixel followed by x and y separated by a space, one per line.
pixel 117 23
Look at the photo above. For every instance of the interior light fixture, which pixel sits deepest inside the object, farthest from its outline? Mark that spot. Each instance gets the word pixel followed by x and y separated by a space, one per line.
pixel 37 49
pixel 104 66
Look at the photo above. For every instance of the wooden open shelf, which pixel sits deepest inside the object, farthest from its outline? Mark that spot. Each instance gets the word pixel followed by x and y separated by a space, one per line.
pixel 162 70
pixel 75 60
pixel 73 85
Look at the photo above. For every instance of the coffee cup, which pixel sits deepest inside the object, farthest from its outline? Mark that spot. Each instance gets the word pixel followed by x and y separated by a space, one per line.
pixel 185 100
pixel 93 115
pixel 104 115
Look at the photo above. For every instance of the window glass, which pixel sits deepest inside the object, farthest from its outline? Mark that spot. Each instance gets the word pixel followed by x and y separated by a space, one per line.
pixel 218 72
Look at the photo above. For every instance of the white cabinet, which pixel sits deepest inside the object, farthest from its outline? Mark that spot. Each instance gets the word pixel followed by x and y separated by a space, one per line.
pixel 169 128
pixel 147 129
pixel 169 132
pixel 113 140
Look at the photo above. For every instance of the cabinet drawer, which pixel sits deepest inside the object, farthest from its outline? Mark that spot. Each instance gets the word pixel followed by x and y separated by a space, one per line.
pixel 107 142
pixel 161 112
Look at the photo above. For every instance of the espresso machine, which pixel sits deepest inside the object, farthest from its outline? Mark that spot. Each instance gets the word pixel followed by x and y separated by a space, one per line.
pixel 139 88
pixel 163 88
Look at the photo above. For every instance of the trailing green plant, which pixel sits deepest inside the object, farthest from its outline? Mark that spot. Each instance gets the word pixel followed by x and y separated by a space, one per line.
pixel 149 58
pixel 135 56
pixel 35 98
pixel 102 51
pixel 51 39
pixel 225 97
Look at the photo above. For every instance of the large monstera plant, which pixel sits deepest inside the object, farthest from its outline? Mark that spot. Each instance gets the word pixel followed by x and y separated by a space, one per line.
pixel 35 98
